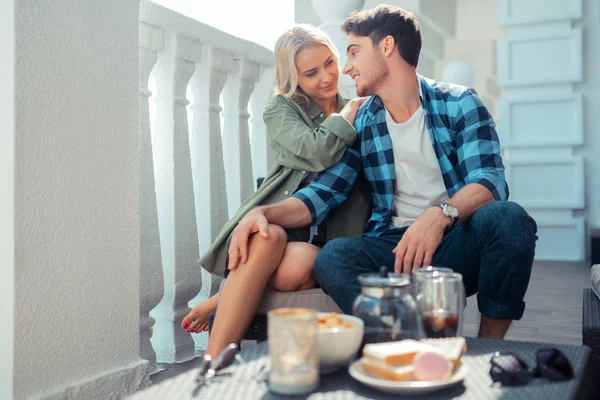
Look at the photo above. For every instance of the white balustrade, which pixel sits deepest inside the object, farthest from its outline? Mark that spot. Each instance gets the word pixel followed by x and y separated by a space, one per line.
pixel 262 154
pixel 151 274
pixel 175 197
pixel 208 168
pixel 189 178
pixel 236 138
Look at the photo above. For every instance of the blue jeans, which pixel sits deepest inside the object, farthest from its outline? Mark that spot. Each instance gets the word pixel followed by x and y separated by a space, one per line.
pixel 493 251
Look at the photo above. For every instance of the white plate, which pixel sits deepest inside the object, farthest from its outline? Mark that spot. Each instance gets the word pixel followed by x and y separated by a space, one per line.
pixel 400 387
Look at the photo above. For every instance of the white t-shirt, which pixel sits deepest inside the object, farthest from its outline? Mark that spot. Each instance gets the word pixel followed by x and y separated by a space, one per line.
pixel 419 182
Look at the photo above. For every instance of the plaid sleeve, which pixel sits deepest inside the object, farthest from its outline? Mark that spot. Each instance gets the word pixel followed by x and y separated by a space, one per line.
pixel 331 187
pixel 478 146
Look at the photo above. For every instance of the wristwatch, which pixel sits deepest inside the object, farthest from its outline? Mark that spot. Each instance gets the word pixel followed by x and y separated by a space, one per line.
pixel 449 211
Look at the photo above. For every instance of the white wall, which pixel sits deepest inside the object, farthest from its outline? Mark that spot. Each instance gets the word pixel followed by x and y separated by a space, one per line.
pixel 7 194
pixel 76 194
pixel 442 12
pixel 546 120
pixel 590 87
pixel 474 43
pixel 477 18
pixel 476 32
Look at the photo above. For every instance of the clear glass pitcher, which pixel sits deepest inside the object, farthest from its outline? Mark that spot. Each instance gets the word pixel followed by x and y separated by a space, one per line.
pixel 388 308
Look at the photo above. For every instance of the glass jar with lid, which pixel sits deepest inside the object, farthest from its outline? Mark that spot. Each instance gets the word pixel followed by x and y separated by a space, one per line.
pixel 388 308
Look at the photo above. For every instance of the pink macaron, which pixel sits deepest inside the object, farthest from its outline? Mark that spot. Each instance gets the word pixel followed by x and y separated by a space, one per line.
pixel 431 366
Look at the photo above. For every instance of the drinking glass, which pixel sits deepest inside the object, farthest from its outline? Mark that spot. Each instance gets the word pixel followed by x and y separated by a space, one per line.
pixel 427 272
pixel 293 350
pixel 440 299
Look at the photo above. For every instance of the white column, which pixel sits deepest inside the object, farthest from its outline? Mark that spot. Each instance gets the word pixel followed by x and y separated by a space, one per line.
pixel 151 273
pixel 262 154
pixel 208 167
pixel 474 44
pixel 333 13
pixel 7 199
pixel 175 198
pixel 460 73
pixel 76 193
pixel 236 138
pixel 540 66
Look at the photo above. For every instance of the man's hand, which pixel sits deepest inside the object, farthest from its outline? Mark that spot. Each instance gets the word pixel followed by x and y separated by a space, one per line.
pixel 421 239
pixel 254 221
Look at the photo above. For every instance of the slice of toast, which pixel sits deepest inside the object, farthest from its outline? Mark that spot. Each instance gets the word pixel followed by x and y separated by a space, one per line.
pixel 380 370
pixel 395 354
pixel 453 348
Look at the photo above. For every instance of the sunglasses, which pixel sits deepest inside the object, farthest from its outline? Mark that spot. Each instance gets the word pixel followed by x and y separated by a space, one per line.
pixel 510 370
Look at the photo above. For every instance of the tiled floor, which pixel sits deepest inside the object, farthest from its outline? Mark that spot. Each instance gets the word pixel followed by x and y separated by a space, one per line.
pixel 553 305
pixel 171 370
pixel 552 315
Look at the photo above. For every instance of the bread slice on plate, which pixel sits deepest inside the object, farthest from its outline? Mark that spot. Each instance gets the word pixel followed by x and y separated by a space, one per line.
pixel 380 370
pixel 395 354
pixel 453 348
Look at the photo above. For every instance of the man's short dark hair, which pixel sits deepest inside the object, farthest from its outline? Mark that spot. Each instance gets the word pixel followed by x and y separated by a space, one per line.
pixel 384 20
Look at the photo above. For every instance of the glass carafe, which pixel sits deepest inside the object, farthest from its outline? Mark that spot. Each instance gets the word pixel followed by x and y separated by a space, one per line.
pixel 388 308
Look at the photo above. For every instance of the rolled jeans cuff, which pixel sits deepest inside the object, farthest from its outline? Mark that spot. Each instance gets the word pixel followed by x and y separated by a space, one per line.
pixel 500 309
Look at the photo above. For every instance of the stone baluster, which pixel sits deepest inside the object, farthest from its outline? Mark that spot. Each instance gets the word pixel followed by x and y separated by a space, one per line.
pixel 333 13
pixel 262 154
pixel 175 198
pixel 151 273
pixel 236 138
pixel 208 167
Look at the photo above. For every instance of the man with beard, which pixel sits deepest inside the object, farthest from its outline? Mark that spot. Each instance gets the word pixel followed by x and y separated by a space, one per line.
pixel 431 155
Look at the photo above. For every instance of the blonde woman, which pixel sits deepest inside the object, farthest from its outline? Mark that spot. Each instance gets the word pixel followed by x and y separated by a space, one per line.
pixel 309 126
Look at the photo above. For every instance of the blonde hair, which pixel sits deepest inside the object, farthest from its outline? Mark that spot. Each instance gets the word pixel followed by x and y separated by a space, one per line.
pixel 287 48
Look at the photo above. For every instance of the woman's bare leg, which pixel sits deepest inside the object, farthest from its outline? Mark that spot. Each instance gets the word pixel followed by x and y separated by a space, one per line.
pixel 294 273
pixel 197 320
pixel 295 270
pixel 244 288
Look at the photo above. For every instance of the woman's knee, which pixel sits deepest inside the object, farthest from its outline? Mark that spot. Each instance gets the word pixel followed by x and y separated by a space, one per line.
pixel 266 252
pixel 295 269
pixel 289 281
pixel 277 233
pixel 276 237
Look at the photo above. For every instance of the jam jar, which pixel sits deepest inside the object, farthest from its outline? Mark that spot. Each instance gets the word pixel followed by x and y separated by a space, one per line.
pixel 388 308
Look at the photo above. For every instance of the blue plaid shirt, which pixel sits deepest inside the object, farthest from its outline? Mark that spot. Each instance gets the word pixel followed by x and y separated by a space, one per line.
pixel 464 140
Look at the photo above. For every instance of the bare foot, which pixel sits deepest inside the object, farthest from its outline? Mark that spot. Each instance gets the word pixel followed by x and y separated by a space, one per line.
pixel 197 320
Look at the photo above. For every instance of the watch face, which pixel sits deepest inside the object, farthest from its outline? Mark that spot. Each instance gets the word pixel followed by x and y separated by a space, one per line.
pixel 451 211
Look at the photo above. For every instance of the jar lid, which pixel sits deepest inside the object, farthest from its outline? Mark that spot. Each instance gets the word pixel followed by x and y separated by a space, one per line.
pixel 384 281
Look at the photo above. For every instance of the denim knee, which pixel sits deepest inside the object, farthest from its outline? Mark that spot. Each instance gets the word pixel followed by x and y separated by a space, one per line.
pixel 510 221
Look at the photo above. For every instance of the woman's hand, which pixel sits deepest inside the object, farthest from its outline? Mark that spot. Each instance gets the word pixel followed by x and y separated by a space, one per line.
pixel 254 221
pixel 351 108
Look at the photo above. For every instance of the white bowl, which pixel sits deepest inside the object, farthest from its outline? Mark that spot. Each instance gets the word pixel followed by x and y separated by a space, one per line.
pixel 338 345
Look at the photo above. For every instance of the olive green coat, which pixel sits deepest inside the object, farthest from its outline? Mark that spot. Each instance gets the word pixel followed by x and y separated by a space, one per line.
pixel 303 142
